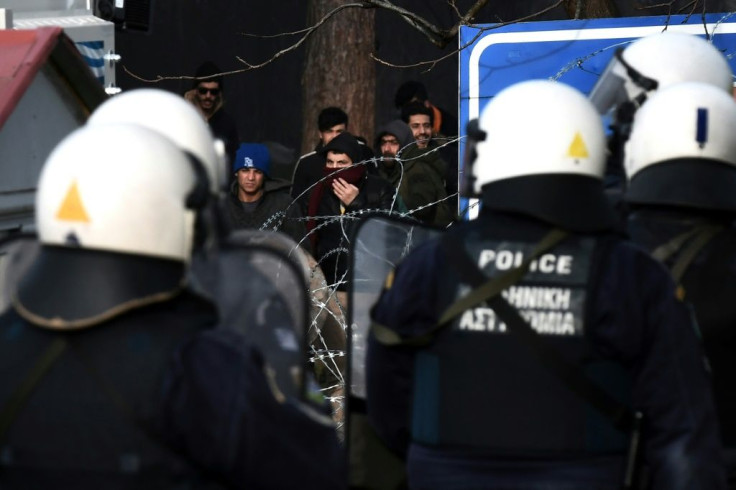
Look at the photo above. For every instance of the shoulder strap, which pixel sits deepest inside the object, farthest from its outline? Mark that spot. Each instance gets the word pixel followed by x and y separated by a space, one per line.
pixel 570 374
pixel 484 290
pixel 41 368
pixel 698 237
pixel 670 248
pixel 22 393
pixel 704 236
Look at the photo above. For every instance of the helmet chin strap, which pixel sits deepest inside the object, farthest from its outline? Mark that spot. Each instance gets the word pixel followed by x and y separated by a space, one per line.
pixel 621 130
pixel 475 135
pixel 624 117
pixel 625 112
pixel 72 240
pixel 648 84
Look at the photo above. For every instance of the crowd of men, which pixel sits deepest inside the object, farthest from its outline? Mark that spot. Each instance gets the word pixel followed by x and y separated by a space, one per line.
pixel 576 335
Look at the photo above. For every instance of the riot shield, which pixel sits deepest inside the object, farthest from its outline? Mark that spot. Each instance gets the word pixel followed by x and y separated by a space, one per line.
pixel 17 251
pixel 260 292
pixel 379 244
pixel 326 338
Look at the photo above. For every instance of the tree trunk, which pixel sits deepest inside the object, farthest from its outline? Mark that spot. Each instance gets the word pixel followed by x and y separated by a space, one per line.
pixel 338 70
pixel 590 9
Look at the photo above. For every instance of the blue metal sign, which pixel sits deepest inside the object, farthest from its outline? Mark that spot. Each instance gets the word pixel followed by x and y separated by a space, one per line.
pixel 573 51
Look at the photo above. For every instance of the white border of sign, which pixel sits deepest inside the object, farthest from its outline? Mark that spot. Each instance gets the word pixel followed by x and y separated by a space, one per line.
pixel 713 28
pixel 571 35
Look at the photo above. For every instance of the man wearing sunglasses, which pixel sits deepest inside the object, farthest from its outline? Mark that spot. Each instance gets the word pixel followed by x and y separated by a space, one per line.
pixel 207 96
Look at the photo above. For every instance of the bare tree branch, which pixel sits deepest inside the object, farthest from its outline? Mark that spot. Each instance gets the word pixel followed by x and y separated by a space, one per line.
pixel 273 36
pixel 437 36
pixel 431 63
pixel 453 4
pixel 658 5
pixel 705 25
pixel 434 34
pixel 464 20
pixel 481 30
pixel 249 66
pixel 161 78
pixel 306 29
pixel 307 33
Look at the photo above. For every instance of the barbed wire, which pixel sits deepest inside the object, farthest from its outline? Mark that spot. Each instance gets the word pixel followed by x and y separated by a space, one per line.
pixel 321 353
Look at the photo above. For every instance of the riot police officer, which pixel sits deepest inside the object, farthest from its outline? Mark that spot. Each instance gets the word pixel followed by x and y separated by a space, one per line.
pixel 681 164
pixel 216 270
pixel 113 375
pixel 637 71
pixel 523 349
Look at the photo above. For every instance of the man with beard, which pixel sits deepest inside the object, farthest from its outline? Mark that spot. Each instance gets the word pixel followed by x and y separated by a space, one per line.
pixel 207 96
pixel 444 124
pixel 391 139
pixel 423 182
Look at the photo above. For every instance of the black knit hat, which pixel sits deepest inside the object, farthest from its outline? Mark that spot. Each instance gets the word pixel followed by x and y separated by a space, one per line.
pixel 206 69
pixel 345 143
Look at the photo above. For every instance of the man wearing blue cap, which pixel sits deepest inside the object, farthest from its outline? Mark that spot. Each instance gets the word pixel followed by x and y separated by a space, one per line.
pixel 258 201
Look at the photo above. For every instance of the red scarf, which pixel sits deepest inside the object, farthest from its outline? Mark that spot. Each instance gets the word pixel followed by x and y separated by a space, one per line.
pixel 352 175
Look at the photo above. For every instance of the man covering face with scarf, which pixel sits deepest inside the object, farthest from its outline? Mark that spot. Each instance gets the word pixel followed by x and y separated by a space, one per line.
pixel 335 203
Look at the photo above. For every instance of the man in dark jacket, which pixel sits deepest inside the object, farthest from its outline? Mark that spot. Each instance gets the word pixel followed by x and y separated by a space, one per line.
pixel 444 124
pixel 256 200
pixel 424 171
pixel 419 187
pixel 392 138
pixel 338 200
pixel 444 130
pixel 208 97
pixel 308 169
pixel 554 332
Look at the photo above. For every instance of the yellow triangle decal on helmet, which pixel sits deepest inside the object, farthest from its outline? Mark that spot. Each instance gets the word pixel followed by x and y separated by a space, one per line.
pixel 577 147
pixel 72 208
pixel 389 282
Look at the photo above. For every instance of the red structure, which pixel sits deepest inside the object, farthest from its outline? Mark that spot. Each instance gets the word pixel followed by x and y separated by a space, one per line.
pixel 46 91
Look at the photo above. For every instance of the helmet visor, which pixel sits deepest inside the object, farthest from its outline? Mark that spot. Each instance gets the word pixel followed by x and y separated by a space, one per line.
pixel 610 89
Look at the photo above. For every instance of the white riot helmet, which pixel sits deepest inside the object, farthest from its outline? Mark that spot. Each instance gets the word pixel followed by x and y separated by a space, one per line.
pixel 129 196
pixel 543 154
pixel 173 117
pixel 655 62
pixel 682 150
